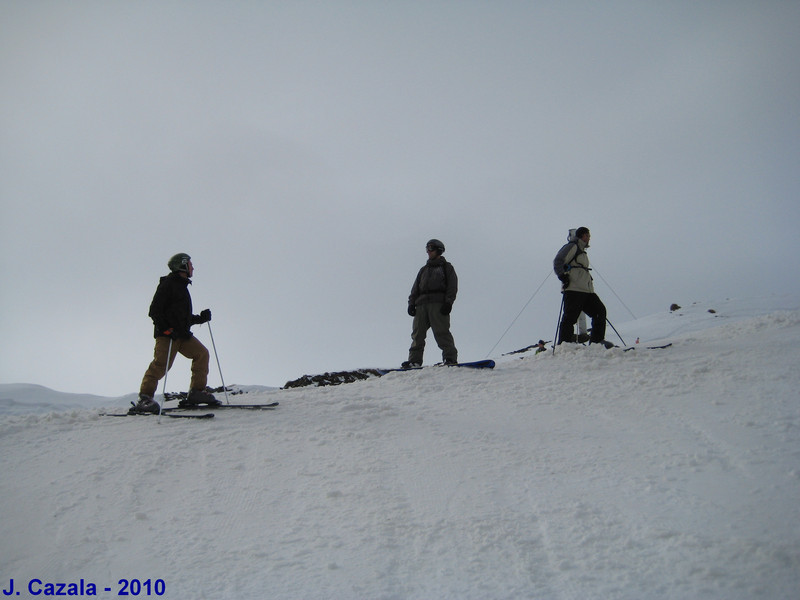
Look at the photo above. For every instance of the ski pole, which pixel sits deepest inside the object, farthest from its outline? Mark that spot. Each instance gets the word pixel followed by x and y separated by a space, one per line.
pixel 614 292
pixel 166 372
pixel 617 332
pixel 518 316
pixel 216 357
pixel 556 337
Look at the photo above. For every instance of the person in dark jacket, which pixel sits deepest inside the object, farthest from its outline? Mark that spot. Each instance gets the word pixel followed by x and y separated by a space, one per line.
pixel 430 302
pixel 171 311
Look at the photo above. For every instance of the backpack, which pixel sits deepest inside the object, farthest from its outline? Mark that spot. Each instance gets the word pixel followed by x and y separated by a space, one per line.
pixel 573 239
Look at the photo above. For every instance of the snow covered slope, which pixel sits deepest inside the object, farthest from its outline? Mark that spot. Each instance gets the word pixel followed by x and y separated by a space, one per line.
pixel 21 398
pixel 582 474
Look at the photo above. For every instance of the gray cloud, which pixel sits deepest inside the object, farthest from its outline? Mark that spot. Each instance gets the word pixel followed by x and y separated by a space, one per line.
pixel 303 153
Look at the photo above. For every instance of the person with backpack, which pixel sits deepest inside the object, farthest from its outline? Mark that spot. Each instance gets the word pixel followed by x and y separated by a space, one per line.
pixel 571 266
pixel 171 312
pixel 430 302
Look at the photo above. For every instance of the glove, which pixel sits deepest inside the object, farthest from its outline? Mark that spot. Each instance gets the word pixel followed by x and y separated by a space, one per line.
pixel 564 278
pixel 412 310
pixel 170 333
pixel 205 316
pixel 446 308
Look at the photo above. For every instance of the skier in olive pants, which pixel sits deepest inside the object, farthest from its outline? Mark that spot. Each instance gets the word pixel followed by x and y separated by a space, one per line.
pixel 431 300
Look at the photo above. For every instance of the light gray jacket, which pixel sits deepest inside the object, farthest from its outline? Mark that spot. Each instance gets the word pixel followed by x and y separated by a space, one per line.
pixel 573 260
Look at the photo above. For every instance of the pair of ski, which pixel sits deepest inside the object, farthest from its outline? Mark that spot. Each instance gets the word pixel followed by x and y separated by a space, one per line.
pixel 173 412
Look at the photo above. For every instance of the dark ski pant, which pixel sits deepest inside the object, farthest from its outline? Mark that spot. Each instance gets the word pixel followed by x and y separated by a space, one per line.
pixel 189 347
pixel 574 304
pixel 429 316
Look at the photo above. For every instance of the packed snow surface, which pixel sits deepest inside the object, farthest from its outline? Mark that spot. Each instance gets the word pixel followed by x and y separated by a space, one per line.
pixel 584 473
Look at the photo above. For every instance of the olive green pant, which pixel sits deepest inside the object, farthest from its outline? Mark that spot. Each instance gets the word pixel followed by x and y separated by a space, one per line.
pixel 429 316
pixel 190 348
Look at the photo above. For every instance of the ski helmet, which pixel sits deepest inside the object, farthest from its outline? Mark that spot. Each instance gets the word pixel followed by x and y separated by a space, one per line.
pixel 436 245
pixel 179 262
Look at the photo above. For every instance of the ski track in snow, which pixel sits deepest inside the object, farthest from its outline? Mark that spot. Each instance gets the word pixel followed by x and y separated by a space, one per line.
pixel 668 473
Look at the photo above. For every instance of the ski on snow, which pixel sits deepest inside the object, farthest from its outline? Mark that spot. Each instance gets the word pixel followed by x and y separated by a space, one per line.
pixel 137 414
pixel 172 409
pixel 184 412
pixel 478 364
pixel 649 347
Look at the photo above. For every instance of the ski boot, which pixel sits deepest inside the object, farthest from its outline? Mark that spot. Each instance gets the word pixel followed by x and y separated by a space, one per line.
pixel 196 397
pixel 145 405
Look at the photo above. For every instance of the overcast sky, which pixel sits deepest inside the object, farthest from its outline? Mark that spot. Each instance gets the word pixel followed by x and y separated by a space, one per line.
pixel 303 153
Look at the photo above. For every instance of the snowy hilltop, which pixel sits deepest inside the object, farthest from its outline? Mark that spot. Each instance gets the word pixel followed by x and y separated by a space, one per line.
pixel 574 474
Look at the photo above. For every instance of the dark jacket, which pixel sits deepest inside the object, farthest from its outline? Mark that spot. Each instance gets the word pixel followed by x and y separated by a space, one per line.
pixel 435 282
pixel 171 307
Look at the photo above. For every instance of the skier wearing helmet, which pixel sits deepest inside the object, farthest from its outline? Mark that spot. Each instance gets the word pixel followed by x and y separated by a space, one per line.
pixel 431 300
pixel 171 311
